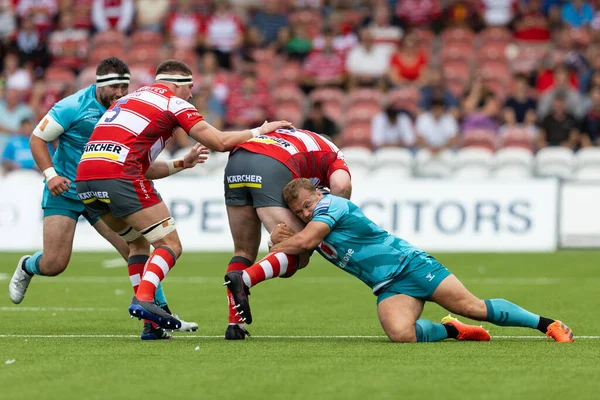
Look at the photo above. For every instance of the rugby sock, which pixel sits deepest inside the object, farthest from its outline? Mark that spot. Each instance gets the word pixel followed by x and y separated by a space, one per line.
pixel 428 331
pixel 236 263
pixel 135 267
pixel 32 265
pixel 544 324
pixel 160 263
pixel 273 265
pixel 504 313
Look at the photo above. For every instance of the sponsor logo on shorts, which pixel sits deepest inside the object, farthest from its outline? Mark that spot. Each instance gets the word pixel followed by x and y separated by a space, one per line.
pixel 105 150
pixel 429 276
pixel 328 250
pixel 143 187
pixel 92 195
pixel 344 261
pixel 238 181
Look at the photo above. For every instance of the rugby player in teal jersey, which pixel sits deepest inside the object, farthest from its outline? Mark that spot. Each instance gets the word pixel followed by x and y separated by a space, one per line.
pixel 72 121
pixel 400 275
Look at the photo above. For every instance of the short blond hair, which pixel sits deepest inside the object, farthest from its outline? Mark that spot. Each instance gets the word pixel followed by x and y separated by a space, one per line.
pixel 291 190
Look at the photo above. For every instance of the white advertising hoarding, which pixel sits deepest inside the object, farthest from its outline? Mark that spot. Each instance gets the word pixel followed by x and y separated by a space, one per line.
pixel 433 215
pixel 580 215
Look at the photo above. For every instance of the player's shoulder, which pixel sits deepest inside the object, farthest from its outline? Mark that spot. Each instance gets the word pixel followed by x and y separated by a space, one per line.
pixel 78 99
pixel 177 105
pixel 330 203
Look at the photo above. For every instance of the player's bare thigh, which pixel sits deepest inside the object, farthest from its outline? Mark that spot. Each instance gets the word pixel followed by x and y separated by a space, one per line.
pixel 245 231
pixel 454 297
pixel 271 216
pixel 398 315
pixel 59 231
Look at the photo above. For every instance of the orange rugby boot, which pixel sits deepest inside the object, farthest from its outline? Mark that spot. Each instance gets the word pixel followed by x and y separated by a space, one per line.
pixel 560 332
pixel 467 332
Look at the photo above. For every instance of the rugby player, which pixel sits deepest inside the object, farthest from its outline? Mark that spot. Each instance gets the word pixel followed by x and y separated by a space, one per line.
pixel 114 178
pixel 255 176
pixel 72 121
pixel 400 275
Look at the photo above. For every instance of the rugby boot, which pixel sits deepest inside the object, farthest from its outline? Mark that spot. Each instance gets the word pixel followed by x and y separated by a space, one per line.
pixel 240 292
pixel 560 332
pixel 467 332
pixel 154 332
pixel 19 282
pixel 149 310
pixel 186 326
pixel 236 332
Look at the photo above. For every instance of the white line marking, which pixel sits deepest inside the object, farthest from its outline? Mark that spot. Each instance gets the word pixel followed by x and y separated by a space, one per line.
pixel 114 263
pixel 199 280
pixel 255 336
pixel 66 309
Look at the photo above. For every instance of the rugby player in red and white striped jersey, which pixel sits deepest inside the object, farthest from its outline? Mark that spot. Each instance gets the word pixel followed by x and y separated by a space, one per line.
pixel 255 176
pixel 116 168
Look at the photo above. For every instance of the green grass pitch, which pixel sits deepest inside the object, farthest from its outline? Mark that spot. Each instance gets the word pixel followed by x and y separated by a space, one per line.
pixel 315 336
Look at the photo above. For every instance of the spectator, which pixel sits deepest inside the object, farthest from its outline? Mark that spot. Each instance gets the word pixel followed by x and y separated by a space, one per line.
pixel 68 45
pixel 8 23
pixel 17 152
pixel 436 129
pixel 326 67
pixel 408 63
pixel 12 111
pixel 436 88
pixel 294 42
pixel 577 13
pixel 42 12
pixel 465 13
pixel 590 127
pixel 208 106
pixel 418 12
pixel 247 106
pixel 184 26
pixel 574 102
pixel 251 42
pixel 82 12
pixel 344 38
pixel 113 15
pixel 318 122
pixel 522 134
pixel 498 12
pixel 269 20
pixel 15 76
pixel 367 63
pixel 559 127
pixel 30 44
pixel 213 77
pixel 484 117
pixel 384 33
pixel 531 24
pixel 521 104
pixel 223 33
pixel 550 70
pixel 151 14
pixel 392 128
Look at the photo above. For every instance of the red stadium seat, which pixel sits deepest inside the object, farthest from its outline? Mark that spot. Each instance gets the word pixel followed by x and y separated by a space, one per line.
pixel 479 138
pixel 518 137
pixel 459 71
pixel 363 111
pixel 289 94
pixel 494 51
pixel 328 95
pixel 405 97
pixel 458 51
pixel 109 38
pixel 101 52
pixel 59 77
pixel 357 134
pixel 495 70
pixel 365 94
pixel 144 54
pixel 495 34
pixel 290 111
pixel 141 38
pixel 458 35
pixel 86 77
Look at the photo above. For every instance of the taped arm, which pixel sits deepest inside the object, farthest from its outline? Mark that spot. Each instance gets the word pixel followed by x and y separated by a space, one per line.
pixel 45 132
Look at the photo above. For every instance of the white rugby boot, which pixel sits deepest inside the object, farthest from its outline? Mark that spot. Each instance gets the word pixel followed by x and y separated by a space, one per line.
pixel 186 326
pixel 19 282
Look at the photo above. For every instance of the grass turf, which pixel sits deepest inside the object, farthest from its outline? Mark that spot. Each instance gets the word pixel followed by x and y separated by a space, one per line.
pixel 89 299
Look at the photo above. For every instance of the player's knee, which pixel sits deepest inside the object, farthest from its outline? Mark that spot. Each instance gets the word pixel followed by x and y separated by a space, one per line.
pixel 402 334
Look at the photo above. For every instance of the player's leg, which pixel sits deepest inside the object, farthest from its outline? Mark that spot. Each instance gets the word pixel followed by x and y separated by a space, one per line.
pixel 58 233
pixel 245 231
pixel 399 316
pixel 454 297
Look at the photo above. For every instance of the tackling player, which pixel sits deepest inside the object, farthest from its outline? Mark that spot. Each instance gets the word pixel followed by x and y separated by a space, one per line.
pixel 255 176
pixel 72 121
pixel 401 276
pixel 114 174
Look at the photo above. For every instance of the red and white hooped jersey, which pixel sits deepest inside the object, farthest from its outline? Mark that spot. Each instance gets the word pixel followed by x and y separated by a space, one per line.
pixel 305 153
pixel 133 132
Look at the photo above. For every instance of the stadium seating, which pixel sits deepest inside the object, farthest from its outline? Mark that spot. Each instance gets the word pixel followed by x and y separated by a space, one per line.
pixel 429 165
pixel 555 162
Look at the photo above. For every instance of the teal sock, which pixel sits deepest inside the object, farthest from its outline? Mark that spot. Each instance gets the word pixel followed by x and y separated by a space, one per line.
pixel 32 265
pixel 504 313
pixel 159 296
pixel 428 331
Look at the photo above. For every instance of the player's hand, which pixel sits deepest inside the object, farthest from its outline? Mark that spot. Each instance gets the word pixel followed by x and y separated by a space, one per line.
pixel 281 233
pixel 268 127
pixel 58 185
pixel 197 155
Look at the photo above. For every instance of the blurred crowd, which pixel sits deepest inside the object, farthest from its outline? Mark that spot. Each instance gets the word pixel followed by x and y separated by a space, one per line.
pixel 435 74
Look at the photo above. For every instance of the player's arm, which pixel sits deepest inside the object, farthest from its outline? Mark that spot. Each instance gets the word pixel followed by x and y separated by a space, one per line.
pixel 340 184
pixel 304 241
pixel 45 132
pixel 217 140
pixel 161 169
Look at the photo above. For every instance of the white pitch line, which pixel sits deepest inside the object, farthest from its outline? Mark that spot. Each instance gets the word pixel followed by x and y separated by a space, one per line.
pixel 254 336
pixel 62 309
